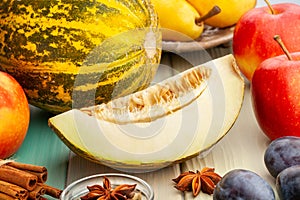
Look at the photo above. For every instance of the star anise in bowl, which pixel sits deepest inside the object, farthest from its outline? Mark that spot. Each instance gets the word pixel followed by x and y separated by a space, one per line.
pixel 204 180
pixel 106 192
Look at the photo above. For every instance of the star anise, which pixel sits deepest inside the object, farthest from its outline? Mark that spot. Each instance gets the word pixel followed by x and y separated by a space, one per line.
pixel 106 192
pixel 204 180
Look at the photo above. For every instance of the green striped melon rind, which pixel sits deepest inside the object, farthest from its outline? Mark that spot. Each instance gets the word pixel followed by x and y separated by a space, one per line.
pixel 44 44
pixel 39 96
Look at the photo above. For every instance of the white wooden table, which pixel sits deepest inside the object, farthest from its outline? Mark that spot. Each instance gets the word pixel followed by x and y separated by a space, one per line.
pixel 243 146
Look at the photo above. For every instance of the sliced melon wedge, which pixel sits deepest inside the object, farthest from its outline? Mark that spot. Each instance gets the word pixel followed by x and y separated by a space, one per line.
pixel 176 124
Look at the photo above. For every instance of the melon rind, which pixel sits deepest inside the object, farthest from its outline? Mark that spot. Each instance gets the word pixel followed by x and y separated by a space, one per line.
pixel 50 46
pixel 178 136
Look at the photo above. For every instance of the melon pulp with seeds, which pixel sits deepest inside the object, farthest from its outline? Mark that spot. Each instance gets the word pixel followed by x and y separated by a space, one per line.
pixel 154 102
pixel 68 54
pixel 196 109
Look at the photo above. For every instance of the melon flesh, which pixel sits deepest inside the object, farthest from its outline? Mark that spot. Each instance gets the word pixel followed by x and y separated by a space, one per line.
pixel 156 101
pixel 172 137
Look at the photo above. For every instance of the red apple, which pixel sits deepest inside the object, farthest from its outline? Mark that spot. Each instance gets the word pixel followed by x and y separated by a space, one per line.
pixel 252 38
pixel 275 91
pixel 14 115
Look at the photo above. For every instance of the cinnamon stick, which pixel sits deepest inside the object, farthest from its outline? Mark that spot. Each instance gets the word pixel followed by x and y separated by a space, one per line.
pixel 24 181
pixel 18 177
pixel 40 171
pixel 27 167
pixel 6 197
pixel 42 176
pixel 13 190
pixel 51 191
pixel 37 192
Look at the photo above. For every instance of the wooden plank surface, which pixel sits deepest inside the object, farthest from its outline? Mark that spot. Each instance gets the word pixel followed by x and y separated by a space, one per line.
pixel 245 137
pixel 243 146
pixel 160 180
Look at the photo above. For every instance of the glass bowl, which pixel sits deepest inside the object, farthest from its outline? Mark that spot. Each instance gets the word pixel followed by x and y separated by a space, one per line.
pixel 78 188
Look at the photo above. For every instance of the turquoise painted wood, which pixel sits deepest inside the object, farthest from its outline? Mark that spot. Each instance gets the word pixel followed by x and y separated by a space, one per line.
pixel 42 147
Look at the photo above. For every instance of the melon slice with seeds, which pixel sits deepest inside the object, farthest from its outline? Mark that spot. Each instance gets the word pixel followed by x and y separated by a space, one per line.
pixel 169 122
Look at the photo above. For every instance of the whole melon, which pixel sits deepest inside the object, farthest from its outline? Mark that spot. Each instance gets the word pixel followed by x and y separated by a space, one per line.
pixel 71 54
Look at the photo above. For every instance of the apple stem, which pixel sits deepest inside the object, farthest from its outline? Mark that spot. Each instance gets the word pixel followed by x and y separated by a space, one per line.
pixel 270 6
pixel 277 38
pixel 214 11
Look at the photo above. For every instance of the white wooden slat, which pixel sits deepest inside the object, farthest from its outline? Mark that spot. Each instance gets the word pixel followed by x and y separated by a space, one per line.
pixel 160 180
pixel 242 147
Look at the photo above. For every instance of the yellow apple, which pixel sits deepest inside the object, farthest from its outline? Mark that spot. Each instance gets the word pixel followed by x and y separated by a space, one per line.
pixel 179 20
pixel 231 10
